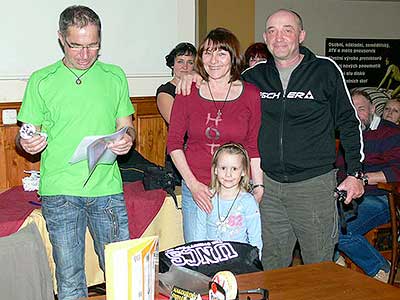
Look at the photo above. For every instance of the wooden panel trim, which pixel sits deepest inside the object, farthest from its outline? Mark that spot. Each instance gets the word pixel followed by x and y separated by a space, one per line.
pixel 146 103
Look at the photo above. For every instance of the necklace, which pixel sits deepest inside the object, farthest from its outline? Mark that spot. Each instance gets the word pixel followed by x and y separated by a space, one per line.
pixel 219 110
pixel 222 223
pixel 78 80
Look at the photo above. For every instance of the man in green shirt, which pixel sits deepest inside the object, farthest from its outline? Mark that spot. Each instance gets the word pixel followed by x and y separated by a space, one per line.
pixel 75 97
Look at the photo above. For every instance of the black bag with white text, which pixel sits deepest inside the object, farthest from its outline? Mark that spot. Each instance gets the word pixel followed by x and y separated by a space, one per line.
pixel 210 257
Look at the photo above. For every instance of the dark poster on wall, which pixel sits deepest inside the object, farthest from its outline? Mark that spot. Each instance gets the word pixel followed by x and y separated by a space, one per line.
pixel 367 62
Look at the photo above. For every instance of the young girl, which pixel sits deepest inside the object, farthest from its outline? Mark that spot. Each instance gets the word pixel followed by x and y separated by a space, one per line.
pixel 235 215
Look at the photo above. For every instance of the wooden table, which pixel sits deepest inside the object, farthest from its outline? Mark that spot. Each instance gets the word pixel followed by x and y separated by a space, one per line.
pixel 323 281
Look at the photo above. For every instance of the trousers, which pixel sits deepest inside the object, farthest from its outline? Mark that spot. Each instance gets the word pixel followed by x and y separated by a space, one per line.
pixel 372 212
pixel 301 211
pixel 193 218
pixel 66 220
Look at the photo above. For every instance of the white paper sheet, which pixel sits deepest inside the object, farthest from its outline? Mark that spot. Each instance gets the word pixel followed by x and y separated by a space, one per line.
pixel 94 150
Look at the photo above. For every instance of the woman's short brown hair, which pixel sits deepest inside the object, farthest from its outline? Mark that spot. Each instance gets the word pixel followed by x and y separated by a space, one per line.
pixel 221 38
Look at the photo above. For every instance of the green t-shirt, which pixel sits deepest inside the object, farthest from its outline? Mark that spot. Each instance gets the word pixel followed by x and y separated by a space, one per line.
pixel 67 112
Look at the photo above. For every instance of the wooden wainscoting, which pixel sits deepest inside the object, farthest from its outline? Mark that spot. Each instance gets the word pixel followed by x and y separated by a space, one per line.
pixel 151 130
pixel 150 141
pixel 12 162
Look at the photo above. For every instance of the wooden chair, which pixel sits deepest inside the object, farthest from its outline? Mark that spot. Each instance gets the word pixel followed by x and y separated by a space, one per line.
pixel 393 227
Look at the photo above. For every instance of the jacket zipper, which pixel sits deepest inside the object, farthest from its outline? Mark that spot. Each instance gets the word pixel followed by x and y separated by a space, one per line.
pixel 281 156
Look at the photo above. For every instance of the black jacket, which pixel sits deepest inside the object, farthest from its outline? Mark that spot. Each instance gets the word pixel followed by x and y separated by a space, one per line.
pixel 297 134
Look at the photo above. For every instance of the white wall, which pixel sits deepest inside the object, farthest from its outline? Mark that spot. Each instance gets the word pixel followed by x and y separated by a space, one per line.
pixel 137 35
pixel 335 18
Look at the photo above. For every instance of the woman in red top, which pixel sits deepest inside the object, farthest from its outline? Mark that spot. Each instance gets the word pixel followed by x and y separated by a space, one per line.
pixel 224 109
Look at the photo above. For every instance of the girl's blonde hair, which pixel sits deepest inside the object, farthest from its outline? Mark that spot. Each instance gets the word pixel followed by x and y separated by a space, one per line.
pixel 234 149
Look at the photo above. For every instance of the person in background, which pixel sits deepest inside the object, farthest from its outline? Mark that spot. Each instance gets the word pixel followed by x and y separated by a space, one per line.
pixel 255 53
pixel 382 164
pixel 391 111
pixel 75 97
pixel 224 109
pixel 235 215
pixel 181 61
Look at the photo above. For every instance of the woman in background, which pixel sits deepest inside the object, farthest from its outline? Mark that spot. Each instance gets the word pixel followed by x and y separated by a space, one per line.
pixel 181 61
pixel 224 109
pixel 255 53
pixel 391 111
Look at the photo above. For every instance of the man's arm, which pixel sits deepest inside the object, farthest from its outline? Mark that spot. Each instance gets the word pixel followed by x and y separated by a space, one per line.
pixel 375 177
pixel 388 158
pixel 349 126
pixel 387 161
pixel 125 143
pixel 257 177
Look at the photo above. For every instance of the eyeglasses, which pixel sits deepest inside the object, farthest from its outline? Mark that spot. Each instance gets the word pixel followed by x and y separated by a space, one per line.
pixel 81 47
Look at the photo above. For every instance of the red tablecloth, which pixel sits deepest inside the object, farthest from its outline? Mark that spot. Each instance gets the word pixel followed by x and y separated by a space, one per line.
pixel 15 208
pixel 142 206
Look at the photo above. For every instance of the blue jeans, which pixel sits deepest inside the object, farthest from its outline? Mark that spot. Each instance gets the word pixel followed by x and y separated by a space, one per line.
pixel 372 212
pixel 66 220
pixel 191 214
